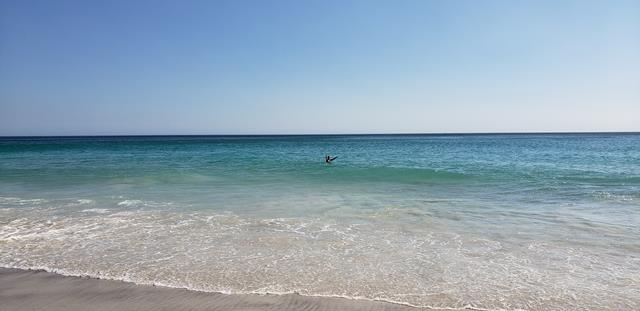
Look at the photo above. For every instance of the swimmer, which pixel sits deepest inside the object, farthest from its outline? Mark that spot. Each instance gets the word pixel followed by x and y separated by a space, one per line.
pixel 329 159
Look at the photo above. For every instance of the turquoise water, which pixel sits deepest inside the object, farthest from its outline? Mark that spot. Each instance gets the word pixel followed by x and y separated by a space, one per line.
pixel 523 221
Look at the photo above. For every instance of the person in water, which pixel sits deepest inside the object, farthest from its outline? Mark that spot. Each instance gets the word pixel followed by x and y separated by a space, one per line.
pixel 329 159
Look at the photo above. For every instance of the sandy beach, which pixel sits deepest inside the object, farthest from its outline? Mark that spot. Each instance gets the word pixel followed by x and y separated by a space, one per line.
pixel 40 290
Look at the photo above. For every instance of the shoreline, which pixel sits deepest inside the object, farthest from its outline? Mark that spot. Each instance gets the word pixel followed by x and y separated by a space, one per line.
pixel 22 289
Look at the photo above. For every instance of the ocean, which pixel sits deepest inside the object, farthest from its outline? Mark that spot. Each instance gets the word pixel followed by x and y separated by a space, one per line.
pixel 488 222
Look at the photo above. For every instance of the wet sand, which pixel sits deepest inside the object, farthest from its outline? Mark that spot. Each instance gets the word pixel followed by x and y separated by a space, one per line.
pixel 40 290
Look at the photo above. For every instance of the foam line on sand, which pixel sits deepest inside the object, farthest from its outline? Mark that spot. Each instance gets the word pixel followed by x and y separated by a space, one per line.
pixel 40 290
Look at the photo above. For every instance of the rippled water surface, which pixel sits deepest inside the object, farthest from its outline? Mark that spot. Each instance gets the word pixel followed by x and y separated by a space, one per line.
pixel 535 222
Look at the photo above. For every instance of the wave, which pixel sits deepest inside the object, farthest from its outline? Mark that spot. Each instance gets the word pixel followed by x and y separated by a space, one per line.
pixel 20 201
pixel 385 174
pixel 96 210
pixel 413 263
pixel 143 203
pixel 69 273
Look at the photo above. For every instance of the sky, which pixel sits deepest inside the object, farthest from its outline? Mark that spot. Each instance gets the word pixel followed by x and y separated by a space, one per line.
pixel 318 67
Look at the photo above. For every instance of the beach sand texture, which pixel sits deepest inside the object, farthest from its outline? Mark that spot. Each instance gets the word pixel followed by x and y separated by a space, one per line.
pixel 40 290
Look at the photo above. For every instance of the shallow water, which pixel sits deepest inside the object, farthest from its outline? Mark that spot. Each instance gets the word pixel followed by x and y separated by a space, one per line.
pixel 485 221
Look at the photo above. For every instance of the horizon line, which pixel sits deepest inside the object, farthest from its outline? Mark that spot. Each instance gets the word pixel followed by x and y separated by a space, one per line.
pixel 328 134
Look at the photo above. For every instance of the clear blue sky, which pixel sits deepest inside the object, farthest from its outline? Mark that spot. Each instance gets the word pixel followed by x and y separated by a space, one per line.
pixel 238 67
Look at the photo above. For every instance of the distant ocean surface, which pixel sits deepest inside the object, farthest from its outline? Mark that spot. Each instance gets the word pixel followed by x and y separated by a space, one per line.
pixel 522 221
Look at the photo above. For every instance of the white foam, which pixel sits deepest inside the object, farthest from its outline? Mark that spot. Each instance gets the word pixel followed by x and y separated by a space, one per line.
pixel 100 276
pixel 409 263
pixel 95 210
pixel 20 201
pixel 131 203
pixel 143 203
